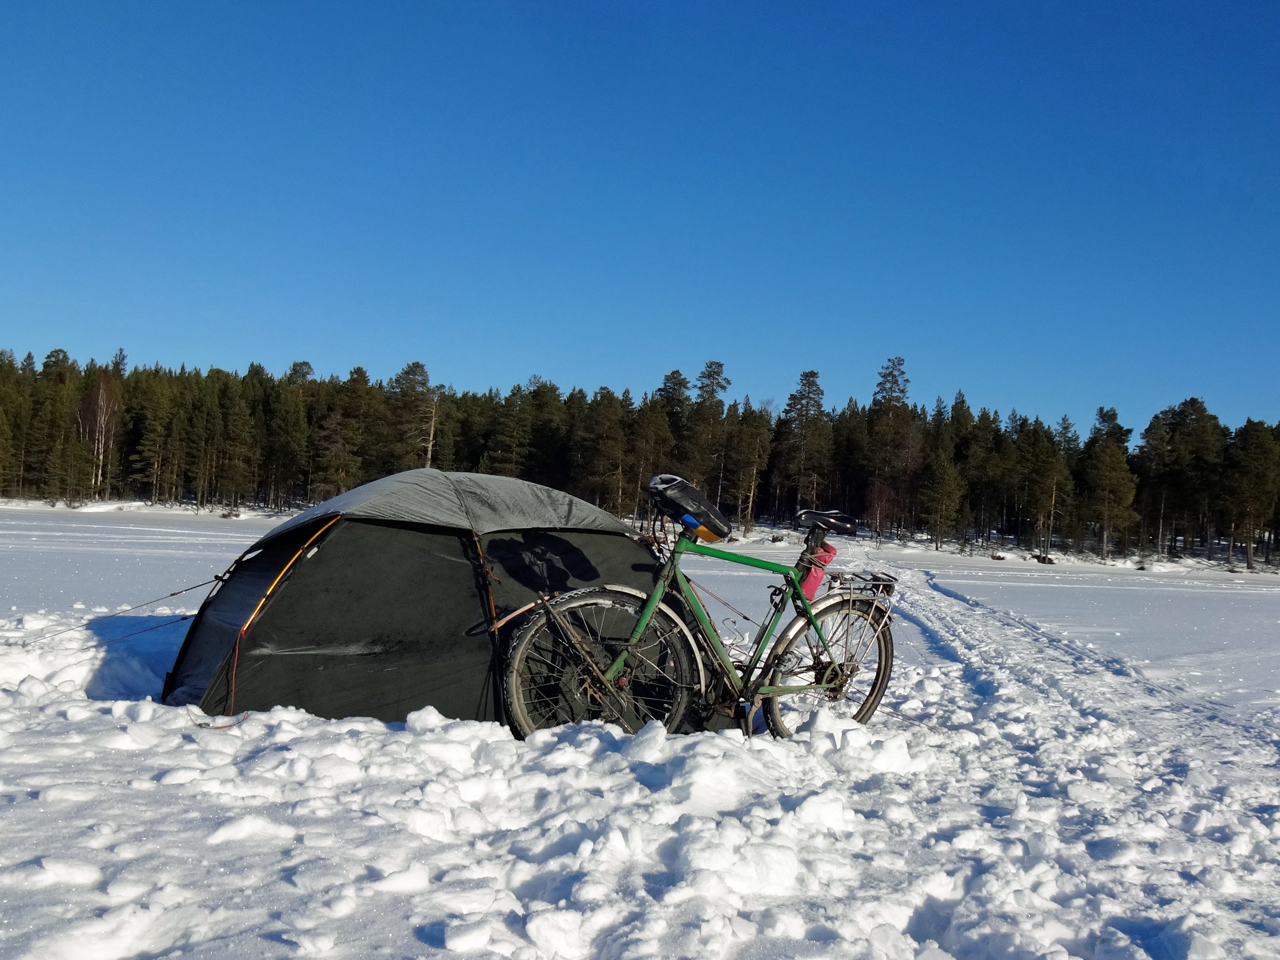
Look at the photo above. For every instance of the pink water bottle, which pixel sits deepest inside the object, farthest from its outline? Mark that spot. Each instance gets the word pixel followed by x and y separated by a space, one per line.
pixel 819 559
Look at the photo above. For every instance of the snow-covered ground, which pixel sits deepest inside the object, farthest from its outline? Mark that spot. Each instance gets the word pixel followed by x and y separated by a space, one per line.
pixel 1060 770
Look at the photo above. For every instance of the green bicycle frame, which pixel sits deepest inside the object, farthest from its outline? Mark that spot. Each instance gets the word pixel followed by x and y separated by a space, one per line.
pixel 672 574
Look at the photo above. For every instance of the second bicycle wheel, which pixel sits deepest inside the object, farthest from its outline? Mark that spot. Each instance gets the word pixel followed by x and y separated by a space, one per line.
pixel 555 670
pixel 852 670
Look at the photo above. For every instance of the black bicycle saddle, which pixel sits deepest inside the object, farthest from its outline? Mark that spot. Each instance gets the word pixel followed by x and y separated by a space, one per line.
pixel 832 520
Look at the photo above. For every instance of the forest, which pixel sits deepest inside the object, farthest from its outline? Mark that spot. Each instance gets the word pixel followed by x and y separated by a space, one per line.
pixel 216 440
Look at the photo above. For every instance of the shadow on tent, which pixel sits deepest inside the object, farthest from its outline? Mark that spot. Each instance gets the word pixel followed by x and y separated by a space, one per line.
pixel 138 651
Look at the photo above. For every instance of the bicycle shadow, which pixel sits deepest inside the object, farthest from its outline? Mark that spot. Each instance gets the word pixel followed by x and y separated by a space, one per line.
pixel 138 652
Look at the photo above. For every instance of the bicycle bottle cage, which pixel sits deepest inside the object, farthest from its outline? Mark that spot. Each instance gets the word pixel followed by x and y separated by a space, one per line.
pixel 687 505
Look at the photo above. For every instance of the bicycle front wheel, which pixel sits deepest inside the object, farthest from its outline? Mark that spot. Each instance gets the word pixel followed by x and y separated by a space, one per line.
pixel 850 673
pixel 555 671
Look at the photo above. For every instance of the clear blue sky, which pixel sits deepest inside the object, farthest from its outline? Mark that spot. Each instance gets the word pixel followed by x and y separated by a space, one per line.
pixel 1050 205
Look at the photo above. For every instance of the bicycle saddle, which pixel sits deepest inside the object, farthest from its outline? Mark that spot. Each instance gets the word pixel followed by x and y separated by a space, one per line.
pixel 832 520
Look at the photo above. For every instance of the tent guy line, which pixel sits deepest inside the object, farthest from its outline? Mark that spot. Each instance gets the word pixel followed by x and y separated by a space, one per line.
pixel 119 613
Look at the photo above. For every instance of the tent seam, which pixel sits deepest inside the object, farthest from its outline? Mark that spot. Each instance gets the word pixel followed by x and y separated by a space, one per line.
pixel 461 502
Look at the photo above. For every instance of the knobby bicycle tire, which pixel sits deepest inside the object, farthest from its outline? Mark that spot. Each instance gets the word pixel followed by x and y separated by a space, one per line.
pixel 859 663
pixel 554 672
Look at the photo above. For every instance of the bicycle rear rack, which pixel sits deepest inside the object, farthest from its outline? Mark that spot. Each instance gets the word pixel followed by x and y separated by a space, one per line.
pixel 872 584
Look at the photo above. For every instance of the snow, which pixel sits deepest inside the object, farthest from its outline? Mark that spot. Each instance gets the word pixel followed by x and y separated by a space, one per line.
pixel 107 555
pixel 1021 794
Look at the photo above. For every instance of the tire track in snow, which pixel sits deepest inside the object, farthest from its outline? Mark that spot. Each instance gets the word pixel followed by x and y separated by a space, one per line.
pixel 1142 774
pixel 1170 699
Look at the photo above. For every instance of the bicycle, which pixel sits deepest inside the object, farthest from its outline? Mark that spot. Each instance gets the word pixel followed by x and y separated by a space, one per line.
pixel 616 654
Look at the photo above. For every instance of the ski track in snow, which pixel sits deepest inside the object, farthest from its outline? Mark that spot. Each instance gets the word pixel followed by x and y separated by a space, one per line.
pixel 1044 801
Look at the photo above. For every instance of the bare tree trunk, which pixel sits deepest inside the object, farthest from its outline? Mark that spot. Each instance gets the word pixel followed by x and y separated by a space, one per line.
pixel 1053 500
pixel 1160 530
pixel 431 432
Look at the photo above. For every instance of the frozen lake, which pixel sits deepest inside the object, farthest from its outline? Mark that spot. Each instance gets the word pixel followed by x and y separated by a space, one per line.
pixel 54 558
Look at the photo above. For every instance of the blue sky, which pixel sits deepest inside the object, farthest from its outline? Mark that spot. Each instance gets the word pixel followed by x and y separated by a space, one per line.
pixel 1050 206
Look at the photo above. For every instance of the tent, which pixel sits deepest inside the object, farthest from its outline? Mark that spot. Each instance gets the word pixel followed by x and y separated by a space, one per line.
pixel 392 597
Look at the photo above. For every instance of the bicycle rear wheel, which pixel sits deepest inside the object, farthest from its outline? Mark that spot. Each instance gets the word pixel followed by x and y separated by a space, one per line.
pixel 854 667
pixel 555 670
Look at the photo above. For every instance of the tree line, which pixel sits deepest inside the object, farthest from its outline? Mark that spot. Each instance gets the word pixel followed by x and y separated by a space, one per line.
pixel 217 440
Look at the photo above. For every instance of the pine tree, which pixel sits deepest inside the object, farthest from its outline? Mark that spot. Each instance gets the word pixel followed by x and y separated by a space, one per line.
pixel 1252 482
pixel 704 457
pixel 415 410
pixel 652 445
pixel 606 438
pixel 1111 487
pixel 895 449
pixel 337 465
pixel 10 401
pixel 574 441
pixel 287 439
pixel 1197 445
pixel 941 495
pixel 673 397
pixel 1152 463
pixel 747 458
pixel 511 438
pixel 849 442
pixel 6 452
pixel 891 388
pixel 547 460
pixel 806 442
pixel 237 429
pixel 1041 479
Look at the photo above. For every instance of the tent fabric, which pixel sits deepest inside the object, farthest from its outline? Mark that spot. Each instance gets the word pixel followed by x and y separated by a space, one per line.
pixel 380 615
pixel 528 564
pixel 214 629
pixel 468 501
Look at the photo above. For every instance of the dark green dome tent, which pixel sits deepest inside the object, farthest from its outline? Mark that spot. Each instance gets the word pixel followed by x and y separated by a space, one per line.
pixel 391 597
